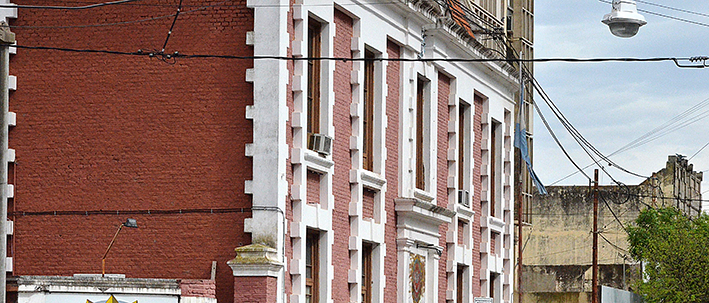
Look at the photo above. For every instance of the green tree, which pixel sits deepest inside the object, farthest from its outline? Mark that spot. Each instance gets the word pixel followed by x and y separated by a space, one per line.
pixel 675 254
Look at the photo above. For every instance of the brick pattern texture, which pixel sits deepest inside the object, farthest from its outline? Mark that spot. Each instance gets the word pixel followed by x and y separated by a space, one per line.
pixel 289 140
pixel 477 191
pixel 442 178
pixel 313 187
pixel 255 290
pixel 341 156
pixel 127 133
pixel 198 288
pixel 393 72
pixel 368 196
pixel 111 132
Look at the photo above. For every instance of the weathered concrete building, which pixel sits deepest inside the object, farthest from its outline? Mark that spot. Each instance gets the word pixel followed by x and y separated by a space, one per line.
pixel 558 244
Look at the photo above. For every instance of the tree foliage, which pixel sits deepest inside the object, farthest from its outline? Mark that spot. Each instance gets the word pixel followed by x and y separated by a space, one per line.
pixel 675 254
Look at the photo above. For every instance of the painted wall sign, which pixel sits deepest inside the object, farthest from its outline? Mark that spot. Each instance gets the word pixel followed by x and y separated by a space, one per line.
pixel 418 277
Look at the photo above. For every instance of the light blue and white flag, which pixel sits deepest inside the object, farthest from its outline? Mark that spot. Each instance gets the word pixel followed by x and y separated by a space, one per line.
pixel 521 141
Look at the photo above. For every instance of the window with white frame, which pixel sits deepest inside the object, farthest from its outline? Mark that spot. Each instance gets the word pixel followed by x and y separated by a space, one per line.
pixel 312 266
pixel 422 116
pixel 495 167
pixel 314 73
pixel 368 121
pixel 367 271
pixel 464 155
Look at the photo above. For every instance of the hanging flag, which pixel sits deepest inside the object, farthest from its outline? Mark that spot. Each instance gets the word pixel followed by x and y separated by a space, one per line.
pixel 521 140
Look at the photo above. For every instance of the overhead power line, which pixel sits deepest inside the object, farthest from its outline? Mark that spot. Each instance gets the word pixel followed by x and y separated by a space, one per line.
pixel 134 212
pixel 470 60
pixel 673 8
pixel 201 8
pixel 688 117
pixel 666 16
pixel 67 7
pixel 699 151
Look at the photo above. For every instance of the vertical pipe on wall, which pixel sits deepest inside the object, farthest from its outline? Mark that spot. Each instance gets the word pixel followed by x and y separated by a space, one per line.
pixel 6 39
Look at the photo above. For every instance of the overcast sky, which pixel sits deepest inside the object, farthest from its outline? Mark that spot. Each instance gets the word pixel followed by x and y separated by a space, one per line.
pixel 612 104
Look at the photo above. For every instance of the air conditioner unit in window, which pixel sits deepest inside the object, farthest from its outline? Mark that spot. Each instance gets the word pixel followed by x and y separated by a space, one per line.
pixel 464 198
pixel 320 143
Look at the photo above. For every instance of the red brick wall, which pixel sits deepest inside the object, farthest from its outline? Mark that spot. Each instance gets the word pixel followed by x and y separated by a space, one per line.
pixel 393 78
pixel 368 196
pixel 493 242
pixel 255 289
pixel 461 232
pixel 341 156
pixel 442 185
pixel 313 187
pixel 198 288
pixel 289 140
pixel 110 132
pixel 477 190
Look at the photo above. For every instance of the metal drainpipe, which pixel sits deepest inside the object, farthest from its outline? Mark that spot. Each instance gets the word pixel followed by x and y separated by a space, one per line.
pixel 6 39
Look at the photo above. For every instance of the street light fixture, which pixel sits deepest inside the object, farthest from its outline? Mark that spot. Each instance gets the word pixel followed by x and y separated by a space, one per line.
pixel 624 20
pixel 131 223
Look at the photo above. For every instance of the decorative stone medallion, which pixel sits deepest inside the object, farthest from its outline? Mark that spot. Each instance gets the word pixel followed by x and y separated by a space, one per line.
pixel 417 269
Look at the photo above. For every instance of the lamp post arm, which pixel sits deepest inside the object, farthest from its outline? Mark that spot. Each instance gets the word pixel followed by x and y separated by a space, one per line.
pixel 103 259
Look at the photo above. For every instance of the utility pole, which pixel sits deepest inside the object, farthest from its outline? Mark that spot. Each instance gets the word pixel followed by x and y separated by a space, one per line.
pixel 519 235
pixel 594 279
pixel 7 38
pixel 521 190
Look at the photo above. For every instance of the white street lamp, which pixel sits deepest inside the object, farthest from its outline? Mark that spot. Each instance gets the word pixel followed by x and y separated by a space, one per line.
pixel 624 20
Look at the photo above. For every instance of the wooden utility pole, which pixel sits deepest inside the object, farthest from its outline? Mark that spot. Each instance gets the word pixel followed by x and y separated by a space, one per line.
pixel 519 234
pixel 520 196
pixel 594 279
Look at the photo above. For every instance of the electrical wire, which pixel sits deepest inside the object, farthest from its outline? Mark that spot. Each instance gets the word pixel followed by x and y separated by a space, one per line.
pixel 68 7
pixel 169 33
pixel 665 16
pixel 699 151
pixel 119 23
pixel 132 212
pixel 578 137
pixel 587 147
pixel 675 123
pixel 674 18
pixel 350 59
pixel 673 8
pixel 558 143
pixel 612 244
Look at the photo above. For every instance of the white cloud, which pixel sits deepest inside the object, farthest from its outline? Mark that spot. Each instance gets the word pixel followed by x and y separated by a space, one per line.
pixel 612 104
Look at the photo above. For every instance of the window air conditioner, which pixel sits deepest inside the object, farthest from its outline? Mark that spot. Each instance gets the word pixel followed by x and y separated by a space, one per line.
pixel 464 198
pixel 320 143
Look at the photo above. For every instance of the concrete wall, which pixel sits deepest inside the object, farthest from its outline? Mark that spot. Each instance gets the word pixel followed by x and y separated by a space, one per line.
pixel 562 222
pixel 558 245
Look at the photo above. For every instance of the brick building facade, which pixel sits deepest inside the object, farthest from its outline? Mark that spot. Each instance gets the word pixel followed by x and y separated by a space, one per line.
pixel 380 179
